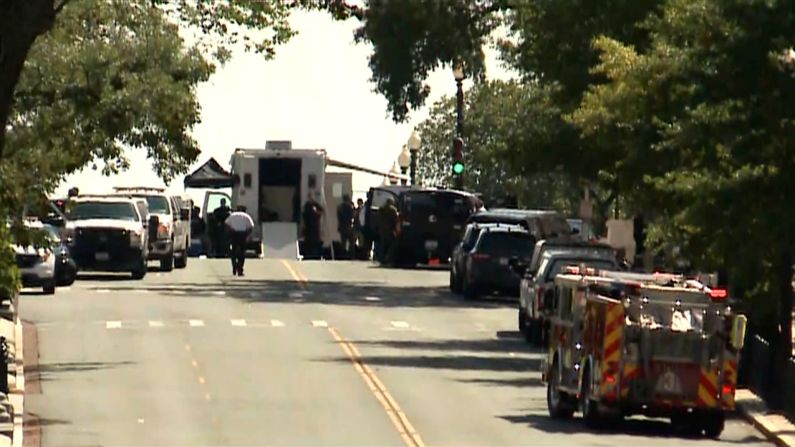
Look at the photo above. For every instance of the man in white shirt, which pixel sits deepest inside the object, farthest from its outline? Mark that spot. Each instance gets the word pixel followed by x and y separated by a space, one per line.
pixel 239 226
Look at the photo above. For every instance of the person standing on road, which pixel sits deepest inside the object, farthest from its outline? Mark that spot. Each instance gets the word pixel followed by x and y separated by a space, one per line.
pixel 361 241
pixel 220 242
pixel 312 215
pixel 239 226
pixel 345 219
pixel 387 232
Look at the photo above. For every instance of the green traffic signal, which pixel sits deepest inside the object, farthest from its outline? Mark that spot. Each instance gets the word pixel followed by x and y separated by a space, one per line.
pixel 458 168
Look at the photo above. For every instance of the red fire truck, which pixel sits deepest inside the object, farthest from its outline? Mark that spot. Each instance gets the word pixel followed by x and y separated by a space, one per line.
pixel 653 344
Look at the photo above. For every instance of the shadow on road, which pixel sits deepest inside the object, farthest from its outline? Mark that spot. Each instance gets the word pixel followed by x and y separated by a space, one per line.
pixel 658 428
pixel 47 372
pixel 359 293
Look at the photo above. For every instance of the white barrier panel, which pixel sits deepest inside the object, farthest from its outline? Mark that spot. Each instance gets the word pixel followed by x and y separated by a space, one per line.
pixel 280 240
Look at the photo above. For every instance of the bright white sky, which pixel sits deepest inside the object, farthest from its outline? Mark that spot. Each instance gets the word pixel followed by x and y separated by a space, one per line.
pixel 316 92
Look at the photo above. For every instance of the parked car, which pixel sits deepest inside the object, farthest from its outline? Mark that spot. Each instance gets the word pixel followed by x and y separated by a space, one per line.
pixel 488 264
pixel 537 301
pixel 36 262
pixel 458 259
pixel 109 233
pixel 65 266
pixel 171 242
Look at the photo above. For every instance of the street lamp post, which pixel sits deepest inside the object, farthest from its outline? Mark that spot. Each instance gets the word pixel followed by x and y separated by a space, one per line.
pixel 404 159
pixel 414 145
pixel 458 74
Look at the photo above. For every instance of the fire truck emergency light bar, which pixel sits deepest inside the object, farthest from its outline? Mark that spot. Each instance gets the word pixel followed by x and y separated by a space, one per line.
pixel 716 294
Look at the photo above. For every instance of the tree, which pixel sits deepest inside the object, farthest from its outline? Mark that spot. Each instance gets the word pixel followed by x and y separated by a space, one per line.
pixel 501 158
pixel 106 76
pixel 702 124
pixel 24 21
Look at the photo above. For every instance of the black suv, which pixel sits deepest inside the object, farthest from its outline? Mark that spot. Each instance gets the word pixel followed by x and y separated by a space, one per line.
pixel 108 234
pixel 431 223
pixel 488 266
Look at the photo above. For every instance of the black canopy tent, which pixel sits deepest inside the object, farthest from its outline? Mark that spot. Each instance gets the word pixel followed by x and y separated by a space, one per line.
pixel 209 175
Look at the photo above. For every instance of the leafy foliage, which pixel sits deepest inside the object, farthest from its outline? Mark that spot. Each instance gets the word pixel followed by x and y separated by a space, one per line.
pixel 502 158
pixel 109 76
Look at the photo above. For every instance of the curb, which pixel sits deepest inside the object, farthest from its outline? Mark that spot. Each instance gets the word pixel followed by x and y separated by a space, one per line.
pixel 775 427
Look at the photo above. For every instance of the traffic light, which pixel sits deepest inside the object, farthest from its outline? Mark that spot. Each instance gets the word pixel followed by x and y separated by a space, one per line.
pixel 458 156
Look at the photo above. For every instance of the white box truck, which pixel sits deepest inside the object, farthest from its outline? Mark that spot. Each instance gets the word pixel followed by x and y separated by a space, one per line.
pixel 274 184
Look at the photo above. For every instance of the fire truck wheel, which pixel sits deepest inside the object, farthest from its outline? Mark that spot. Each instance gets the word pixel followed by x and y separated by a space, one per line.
pixel 713 423
pixel 588 406
pixel 557 401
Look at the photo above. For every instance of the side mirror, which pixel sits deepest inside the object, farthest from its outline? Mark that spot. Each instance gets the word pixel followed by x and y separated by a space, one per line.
pixel 184 214
pixel 154 223
pixel 737 336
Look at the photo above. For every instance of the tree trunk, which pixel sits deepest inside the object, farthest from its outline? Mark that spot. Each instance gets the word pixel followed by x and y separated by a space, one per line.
pixel 21 21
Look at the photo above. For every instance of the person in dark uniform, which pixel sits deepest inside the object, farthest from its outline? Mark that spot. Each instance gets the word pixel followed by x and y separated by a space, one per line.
pixel 220 242
pixel 345 220
pixel 387 232
pixel 361 241
pixel 312 216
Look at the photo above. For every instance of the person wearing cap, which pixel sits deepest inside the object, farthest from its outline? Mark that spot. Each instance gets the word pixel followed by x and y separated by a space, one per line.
pixel 239 226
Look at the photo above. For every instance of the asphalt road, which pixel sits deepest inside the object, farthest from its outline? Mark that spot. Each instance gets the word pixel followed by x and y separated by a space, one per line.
pixel 295 353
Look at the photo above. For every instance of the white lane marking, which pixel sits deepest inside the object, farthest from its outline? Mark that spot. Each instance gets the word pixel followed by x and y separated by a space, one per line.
pixel 372 298
pixel 65 289
pixel 399 324
pixel 155 323
pixel 196 323
pixel 202 256
pixel 102 291
pixel 319 323
pixel 238 323
pixel 140 420
pixel 112 324
pixel 219 293
pixel 143 291
pixel 276 323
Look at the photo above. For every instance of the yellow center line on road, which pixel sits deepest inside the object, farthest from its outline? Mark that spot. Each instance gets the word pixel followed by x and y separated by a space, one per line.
pixel 399 419
pixel 297 276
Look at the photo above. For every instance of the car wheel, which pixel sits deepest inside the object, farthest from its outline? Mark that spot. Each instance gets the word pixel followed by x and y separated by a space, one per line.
pixel 49 288
pixel 140 272
pixel 182 261
pixel 167 263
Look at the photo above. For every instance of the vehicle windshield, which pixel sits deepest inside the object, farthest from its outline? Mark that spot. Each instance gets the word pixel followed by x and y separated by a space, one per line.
pixel 157 204
pixel 504 243
pixel 103 210
pixel 438 203
pixel 559 264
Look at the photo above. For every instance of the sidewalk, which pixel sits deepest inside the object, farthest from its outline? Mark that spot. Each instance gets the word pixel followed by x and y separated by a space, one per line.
pixel 775 426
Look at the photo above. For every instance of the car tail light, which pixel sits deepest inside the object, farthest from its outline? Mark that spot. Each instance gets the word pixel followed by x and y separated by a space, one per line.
pixel 728 389
pixel 480 256
pixel 540 297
